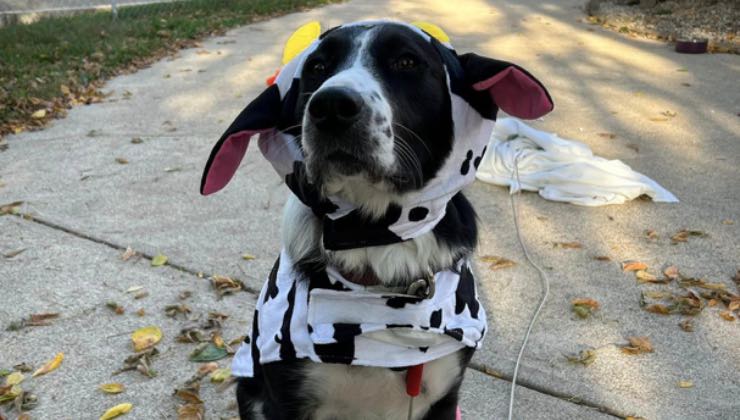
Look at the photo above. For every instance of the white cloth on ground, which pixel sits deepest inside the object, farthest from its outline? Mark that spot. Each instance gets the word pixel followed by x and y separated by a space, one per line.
pixel 561 170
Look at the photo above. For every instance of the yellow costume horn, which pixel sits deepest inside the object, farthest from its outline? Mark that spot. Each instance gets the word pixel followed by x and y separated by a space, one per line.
pixel 433 30
pixel 300 40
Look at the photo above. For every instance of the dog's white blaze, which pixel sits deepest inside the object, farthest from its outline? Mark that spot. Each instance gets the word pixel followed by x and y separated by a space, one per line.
pixel 358 392
pixel 358 189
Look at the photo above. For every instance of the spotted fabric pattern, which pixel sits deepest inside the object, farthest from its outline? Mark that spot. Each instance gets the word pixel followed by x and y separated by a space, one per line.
pixel 325 318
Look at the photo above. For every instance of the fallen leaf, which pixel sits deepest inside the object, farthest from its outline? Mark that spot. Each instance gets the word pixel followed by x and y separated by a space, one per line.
pixel 609 136
pixel 141 312
pixel 122 161
pixel 727 316
pixel 191 412
pixel 141 295
pixel 658 119
pixel 651 234
pixel 134 289
pixel 207 368
pixel 728 222
pixel 567 245
pixel 208 352
pixel 50 366
pixel 656 294
pixel 189 395
pixel 115 307
pixel 38 320
pixel 683 235
pixel 159 260
pixel 602 258
pixel 248 257
pixel 638 345
pixel 14 379
pixel 584 357
pixel 64 89
pixel 146 337
pixel 112 388
pixel 128 253
pixel 172 310
pixel 22 367
pixel 685 384
pixel 225 285
pixel 686 325
pixel 116 411
pixel 671 272
pixel 137 140
pixel 712 302
pixel 220 375
pixel 643 276
pixel 658 308
pixel 497 262
pixel 39 114
pixel 669 113
pixel 10 208
pixel 633 266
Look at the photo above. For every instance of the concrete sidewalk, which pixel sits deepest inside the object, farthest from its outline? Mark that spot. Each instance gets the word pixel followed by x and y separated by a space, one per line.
pixel 87 208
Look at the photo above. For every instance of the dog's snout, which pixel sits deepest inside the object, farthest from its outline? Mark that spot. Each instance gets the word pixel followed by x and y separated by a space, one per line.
pixel 335 107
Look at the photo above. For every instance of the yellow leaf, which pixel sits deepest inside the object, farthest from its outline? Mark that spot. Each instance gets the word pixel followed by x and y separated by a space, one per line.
pixel 300 40
pixel 644 276
pixel 146 337
pixel 116 411
pixel 112 388
pixel 159 260
pixel 53 364
pixel 220 375
pixel 248 257
pixel 14 379
pixel 41 113
pixel 64 89
pixel 685 384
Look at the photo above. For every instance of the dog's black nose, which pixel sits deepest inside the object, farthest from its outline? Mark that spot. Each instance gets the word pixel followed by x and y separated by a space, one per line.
pixel 335 108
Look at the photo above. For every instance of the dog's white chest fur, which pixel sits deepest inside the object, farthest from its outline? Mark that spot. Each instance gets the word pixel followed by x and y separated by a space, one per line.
pixel 368 393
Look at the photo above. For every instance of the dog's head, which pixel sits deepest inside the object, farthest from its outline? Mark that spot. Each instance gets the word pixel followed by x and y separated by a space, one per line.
pixel 378 108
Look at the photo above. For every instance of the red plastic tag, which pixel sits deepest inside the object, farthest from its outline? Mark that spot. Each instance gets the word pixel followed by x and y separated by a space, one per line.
pixel 413 380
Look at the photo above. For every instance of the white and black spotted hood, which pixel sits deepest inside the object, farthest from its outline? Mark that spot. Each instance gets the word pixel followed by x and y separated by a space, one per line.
pixel 325 318
pixel 271 115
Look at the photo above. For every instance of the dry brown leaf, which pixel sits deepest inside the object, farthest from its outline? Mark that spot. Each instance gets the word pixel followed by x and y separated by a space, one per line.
pixel 712 302
pixel 638 345
pixel 37 320
pixel 225 285
pixel 497 262
pixel 10 208
pixel 658 308
pixel 50 366
pixel 128 253
pixel 609 136
pixel 727 316
pixel 584 357
pixel 651 234
pixel 633 266
pixel 207 368
pixel 686 325
pixel 115 307
pixel 671 272
pixel 567 245
pixel 141 312
pixel 602 258
pixel 191 412
pixel 121 160
pixel 684 234
pixel 189 396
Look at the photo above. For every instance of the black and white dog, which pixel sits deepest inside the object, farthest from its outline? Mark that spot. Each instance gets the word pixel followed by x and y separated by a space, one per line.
pixel 375 127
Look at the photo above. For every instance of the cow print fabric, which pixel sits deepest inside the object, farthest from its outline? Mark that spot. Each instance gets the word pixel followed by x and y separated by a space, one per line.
pixel 325 318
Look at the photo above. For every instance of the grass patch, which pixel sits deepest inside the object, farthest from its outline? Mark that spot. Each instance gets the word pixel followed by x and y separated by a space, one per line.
pixel 50 65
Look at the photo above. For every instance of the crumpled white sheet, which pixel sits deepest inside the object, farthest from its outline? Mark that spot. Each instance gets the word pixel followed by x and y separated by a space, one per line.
pixel 561 170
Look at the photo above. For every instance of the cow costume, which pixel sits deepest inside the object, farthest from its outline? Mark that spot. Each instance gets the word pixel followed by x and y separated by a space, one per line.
pixel 324 317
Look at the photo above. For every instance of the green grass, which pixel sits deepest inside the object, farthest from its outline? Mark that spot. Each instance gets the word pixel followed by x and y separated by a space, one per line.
pixel 57 62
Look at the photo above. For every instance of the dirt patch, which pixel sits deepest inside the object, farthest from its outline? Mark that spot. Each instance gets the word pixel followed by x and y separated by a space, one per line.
pixel 716 20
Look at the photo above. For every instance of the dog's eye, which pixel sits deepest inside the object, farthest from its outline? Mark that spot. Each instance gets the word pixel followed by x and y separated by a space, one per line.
pixel 404 62
pixel 316 67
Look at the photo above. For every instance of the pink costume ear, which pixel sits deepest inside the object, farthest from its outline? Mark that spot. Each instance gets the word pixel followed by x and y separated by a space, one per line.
pixel 259 117
pixel 510 87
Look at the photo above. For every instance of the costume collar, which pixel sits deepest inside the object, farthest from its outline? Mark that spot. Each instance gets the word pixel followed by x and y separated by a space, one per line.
pixel 327 319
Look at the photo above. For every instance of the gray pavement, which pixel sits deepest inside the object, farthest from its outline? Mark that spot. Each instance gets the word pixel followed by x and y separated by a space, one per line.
pixel 86 207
